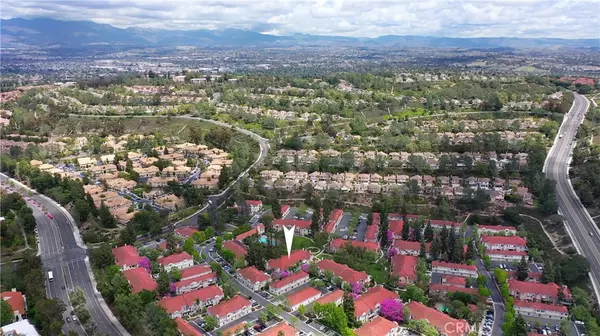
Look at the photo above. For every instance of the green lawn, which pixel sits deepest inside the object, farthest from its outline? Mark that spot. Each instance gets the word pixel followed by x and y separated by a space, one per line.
pixel 377 272
pixel 302 243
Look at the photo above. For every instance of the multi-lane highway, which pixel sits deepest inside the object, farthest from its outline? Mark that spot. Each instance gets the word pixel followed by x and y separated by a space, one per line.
pixel 580 225
pixel 62 252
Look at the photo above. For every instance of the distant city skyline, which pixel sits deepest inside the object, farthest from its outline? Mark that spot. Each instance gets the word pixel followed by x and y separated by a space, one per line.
pixel 570 19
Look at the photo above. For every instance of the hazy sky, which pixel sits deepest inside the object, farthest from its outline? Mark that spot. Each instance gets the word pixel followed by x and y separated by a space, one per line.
pixel 367 18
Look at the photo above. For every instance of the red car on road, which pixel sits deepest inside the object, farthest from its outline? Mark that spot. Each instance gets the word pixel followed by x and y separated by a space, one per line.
pixel 50 216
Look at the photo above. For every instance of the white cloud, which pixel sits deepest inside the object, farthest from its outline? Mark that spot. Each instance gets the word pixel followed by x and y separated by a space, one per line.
pixel 451 18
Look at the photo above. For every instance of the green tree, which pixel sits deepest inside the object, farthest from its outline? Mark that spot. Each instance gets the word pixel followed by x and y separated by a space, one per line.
pixel 332 316
pixel 414 293
pixel 519 327
pixel 164 280
pixel 315 225
pixel 106 219
pixel 129 308
pixel 49 313
pixel 210 323
pixel 157 322
pixel 102 257
pixel 522 270
pixel 6 313
pixel 348 305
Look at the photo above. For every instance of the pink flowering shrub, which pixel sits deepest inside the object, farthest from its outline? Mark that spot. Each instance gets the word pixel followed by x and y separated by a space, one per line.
pixel 172 287
pixel 392 310
pixel 145 263
pixel 392 252
pixel 390 236
pixel 357 288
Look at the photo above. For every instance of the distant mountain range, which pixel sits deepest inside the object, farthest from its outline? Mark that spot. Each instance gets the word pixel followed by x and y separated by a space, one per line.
pixel 50 33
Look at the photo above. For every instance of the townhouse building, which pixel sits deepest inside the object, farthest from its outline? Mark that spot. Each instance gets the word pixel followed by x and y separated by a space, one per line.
pixel 126 257
pixel 255 206
pixel 193 283
pixel 140 279
pixel 194 271
pixel 17 302
pixel 538 292
pixel 303 297
pixel 281 328
pixel 192 302
pixel 448 288
pixel 368 305
pixel 379 326
pixel 334 220
pixel 236 247
pixel 185 232
pixel 371 234
pixel 185 328
pixel 178 260
pixel 541 310
pixel 505 243
pixel 230 310
pixel 405 268
pixel 257 230
pixel 284 263
pixel 289 283
pixel 336 297
pixel 412 248
pixel 442 267
pixel 496 230
pixel 253 278
pixel 302 226
pixel 347 274
pixel 509 256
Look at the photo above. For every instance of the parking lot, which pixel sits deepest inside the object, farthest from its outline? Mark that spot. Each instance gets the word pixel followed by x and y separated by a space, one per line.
pixel 488 322
pixel 543 326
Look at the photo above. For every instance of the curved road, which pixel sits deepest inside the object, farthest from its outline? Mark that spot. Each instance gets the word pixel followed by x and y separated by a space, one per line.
pixel 579 224
pixel 63 253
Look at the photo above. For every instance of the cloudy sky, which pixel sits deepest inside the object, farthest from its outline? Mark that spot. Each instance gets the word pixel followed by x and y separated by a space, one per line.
pixel 366 18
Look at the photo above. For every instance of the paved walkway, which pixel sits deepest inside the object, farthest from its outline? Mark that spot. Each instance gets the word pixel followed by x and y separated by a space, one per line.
pixel 546 232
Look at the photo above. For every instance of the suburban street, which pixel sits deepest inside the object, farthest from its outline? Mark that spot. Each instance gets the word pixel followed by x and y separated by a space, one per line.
pixel 259 299
pixel 580 225
pixel 62 252
pixel 498 302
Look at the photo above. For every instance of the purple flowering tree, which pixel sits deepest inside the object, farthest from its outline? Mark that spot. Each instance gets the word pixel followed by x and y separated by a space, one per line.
pixel 304 268
pixel 357 288
pixel 145 263
pixel 390 236
pixel 354 296
pixel 392 310
pixel 284 274
pixel 172 287
pixel 392 252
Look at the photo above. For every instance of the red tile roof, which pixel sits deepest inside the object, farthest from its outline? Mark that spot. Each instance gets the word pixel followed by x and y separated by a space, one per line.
pixel 186 231
pixel 376 218
pixel 246 234
pixel 232 305
pixel 396 226
pixel 338 243
pixel 302 295
pixel 497 228
pixel 550 289
pixel 331 297
pixel 175 303
pixel 253 274
pixel 411 245
pixel 126 255
pixel 376 327
pixel 346 273
pixel 336 214
pixel 371 299
pixel 443 322
pixel 541 306
pixel 236 247
pixel 289 279
pixel 287 330
pixel 175 258
pixel 254 202
pixel 185 328
pixel 453 265
pixel 15 299
pixel 583 81
pixel 452 288
pixel 195 271
pixel 454 280
pixel 235 328
pixel 199 278
pixel 372 231
pixel 284 263
pixel 299 223
pixel 140 279
pixel 284 208
pixel 405 266
pixel 504 240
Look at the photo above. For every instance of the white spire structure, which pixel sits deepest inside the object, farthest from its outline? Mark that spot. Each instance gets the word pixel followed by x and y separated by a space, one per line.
pixel 289 238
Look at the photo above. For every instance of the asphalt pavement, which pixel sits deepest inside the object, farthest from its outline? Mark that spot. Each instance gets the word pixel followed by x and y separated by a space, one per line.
pixel 579 224
pixel 62 252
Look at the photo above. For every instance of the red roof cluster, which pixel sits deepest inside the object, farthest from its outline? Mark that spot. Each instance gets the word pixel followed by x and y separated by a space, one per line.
pixel 236 247
pixel 275 330
pixel 453 265
pixel 541 306
pixel 550 289
pixel 376 218
pixel 232 305
pixel 186 231
pixel 376 327
pixel 140 280
pixel 339 242
pixel 253 274
pixel 373 297
pixel 372 232
pixel 411 245
pixel 452 288
pixel 199 278
pixel 396 226
pixel 302 295
pixel 496 228
pixel 346 273
pixel 446 223
pixel 289 279
pixel 175 303
pixel 175 258
pixel 405 266
pixel 185 328
pixel 454 280
pixel 126 255
pixel 285 262
pixel 437 319
pixel 284 208
pixel 504 240
pixel 583 81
